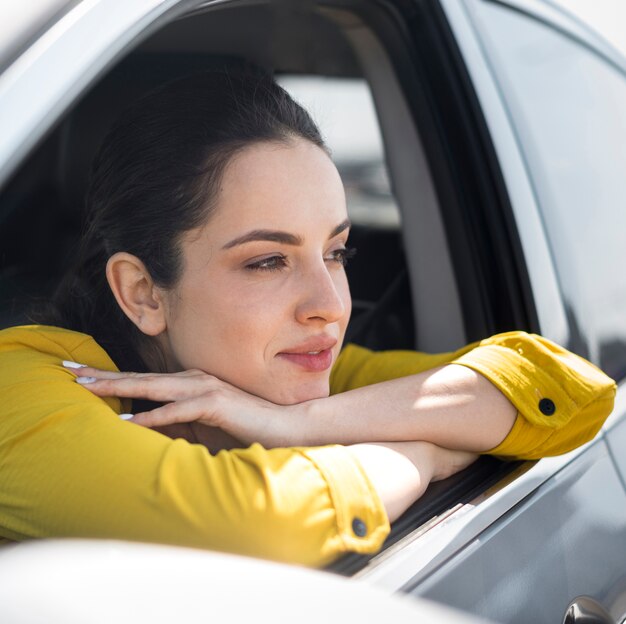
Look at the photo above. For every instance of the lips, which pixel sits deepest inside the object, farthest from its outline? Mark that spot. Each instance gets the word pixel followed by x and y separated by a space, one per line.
pixel 314 354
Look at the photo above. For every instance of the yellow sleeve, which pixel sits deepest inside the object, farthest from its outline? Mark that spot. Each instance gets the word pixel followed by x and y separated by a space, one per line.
pixel 71 467
pixel 357 366
pixel 561 398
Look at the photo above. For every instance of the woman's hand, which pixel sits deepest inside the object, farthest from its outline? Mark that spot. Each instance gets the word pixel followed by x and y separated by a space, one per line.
pixel 193 396
pixel 401 471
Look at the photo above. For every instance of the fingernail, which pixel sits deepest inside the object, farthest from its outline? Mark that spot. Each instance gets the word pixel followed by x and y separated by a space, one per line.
pixel 85 380
pixel 70 364
pixel 127 416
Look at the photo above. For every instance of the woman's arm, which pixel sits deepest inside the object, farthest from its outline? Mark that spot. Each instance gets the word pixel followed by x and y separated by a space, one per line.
pixel 401 471
pixel 451 406
pixel 514 394
pixel 561 399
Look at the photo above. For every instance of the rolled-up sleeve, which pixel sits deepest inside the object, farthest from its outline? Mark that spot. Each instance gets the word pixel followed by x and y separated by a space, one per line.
pixel 360 522
pixel 295 505
pixel 561 398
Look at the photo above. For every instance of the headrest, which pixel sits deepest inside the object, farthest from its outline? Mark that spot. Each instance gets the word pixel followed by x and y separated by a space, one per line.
pixel 86 125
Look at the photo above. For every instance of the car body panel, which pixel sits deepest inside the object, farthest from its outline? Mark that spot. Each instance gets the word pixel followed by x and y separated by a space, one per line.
pixel 21 24
pixel 567 539
pixel 425 551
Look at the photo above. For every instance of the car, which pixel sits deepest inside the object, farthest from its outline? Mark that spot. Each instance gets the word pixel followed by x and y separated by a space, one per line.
pixel 483 152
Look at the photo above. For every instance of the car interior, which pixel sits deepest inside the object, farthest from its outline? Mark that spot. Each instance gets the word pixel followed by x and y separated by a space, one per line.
pixel 412 284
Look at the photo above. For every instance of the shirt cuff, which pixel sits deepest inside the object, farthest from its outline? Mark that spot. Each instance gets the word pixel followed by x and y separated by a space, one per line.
pixel 562 400
pixel 361 520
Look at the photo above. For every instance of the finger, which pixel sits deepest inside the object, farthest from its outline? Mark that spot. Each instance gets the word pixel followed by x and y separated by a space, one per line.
pixel 90 371
pixel 197 409
pixel 82 370
pixel 160 388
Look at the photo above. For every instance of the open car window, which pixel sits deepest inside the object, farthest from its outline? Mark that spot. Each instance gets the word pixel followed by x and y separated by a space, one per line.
pixel 344 110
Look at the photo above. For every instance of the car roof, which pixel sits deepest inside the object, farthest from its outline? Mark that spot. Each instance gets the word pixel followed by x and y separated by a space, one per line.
pixel 23 22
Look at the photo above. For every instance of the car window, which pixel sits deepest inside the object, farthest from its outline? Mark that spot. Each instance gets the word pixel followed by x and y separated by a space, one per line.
pixel 567 105
pixel 344 110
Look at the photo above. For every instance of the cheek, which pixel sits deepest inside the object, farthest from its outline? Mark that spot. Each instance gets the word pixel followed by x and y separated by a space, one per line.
pixel 229 325
pixel 343 288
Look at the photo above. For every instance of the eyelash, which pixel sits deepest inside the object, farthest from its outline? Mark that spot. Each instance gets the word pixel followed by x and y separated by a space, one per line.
pixel 276 263
pixel 343 256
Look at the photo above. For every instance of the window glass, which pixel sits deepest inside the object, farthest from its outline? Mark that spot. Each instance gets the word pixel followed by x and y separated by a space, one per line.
pixel 568 107
pixel 344 111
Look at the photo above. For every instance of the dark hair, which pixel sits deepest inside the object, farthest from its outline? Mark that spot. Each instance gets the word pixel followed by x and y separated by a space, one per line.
pixel 155 178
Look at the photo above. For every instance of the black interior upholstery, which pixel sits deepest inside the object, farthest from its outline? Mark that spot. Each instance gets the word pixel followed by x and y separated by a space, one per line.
pixel 382 310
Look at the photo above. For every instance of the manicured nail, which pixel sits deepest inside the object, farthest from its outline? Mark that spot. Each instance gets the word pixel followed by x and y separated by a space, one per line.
pixel 127 416
pixel 85 380
pixel 70 364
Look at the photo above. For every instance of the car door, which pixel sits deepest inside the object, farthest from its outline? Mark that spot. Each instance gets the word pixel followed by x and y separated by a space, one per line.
pixel 565 536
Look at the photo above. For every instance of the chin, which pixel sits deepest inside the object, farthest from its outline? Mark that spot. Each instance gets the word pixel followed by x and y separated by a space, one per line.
pixel 298 393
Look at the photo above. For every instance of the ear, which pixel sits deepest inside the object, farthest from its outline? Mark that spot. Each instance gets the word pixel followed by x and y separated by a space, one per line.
pixel 136 293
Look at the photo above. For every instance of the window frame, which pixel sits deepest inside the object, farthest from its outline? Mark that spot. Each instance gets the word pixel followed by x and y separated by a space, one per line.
pixel 584 336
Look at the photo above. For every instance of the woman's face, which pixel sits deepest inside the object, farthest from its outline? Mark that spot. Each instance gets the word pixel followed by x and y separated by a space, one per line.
pixel 263 301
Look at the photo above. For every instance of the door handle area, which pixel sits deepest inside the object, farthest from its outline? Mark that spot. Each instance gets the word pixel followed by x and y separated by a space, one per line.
pixel 587 610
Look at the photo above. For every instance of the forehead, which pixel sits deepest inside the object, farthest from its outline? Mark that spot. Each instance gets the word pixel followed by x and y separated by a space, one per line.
pixel 280 185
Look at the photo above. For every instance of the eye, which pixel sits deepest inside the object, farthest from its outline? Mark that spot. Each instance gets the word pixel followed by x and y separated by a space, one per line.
pixel 273 263
pixel 341 256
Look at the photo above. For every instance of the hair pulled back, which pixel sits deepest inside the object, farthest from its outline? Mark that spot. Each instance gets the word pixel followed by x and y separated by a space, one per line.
pixel 156 177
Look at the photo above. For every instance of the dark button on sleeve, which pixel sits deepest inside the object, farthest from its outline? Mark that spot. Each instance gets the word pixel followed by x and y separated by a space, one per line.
pixel 359 528
pixel 547 407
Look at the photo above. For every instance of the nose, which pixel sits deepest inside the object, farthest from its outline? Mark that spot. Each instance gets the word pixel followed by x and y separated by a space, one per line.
pixel 324 295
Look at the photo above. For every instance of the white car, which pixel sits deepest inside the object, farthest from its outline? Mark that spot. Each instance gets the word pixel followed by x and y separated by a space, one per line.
pixel 493 200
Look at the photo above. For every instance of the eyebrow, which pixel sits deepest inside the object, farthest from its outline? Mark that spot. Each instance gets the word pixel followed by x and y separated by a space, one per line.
pixel 278 236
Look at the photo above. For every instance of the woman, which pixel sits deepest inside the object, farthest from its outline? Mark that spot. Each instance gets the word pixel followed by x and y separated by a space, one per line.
pixel 213 267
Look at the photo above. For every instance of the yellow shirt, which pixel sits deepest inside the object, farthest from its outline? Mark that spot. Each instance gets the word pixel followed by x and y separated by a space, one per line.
pixel 71 467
